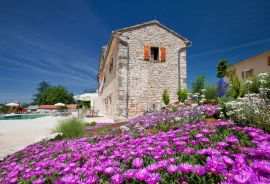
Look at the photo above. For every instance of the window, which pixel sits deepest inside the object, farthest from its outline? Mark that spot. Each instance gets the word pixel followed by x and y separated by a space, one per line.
pixel 154 53
pixel 111 65
pixel 268 61
pixel 247 73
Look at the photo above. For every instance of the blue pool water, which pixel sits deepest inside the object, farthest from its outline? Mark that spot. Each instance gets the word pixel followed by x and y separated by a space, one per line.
pixel 22 116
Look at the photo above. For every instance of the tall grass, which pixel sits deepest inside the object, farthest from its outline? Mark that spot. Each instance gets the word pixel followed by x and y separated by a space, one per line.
pixel 70 128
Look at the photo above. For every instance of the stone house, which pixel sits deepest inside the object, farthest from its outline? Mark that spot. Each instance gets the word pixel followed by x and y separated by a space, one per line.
pixel 251 66
pixel 137 65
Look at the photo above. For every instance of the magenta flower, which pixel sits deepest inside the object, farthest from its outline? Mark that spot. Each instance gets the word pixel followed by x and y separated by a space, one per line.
pixel 99 168
pixel 206 131
pixel 180 143
pixel 137 162
pixel 109 170
pixel 242 178
pixel 130 173
pixel 203 152
pixel 172 169
pixel 227 160
pixel 198 136
pixel 193 142
pixel 153 167
pixel 204 140
pixel 171 160
pixel 142 175
pixel 223 123
pixel 14 180
pixel 186 167
pixel 259 180
pixel 92 179
pixel 199 170
pixel 240 158
pixel 264 166
pixel 39 181
pixel 232 139
pixel 213 165
pixel 49 172
pixel 163 163
pixel 222 144
pixel 153 178
pixel 117 179
pixel 70 179
pixel 92 162
pixel 189 150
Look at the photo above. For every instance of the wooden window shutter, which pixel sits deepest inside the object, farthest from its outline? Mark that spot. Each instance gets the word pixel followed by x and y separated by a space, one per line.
pixel 163 54
pixel 269 61
pixel 251 72
pixel 146 52
pixel 243 74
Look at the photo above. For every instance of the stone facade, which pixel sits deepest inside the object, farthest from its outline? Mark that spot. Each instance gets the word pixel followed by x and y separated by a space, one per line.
pixel 146 80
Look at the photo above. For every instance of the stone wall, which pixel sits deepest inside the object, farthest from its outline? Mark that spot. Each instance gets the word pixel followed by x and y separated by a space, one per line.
pixel 107 103
pixel 147 80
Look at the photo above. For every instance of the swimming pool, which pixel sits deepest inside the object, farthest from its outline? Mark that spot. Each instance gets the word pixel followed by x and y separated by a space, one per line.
pixel 22 116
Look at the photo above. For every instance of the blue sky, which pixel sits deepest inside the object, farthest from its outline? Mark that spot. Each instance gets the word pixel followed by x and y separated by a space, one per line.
pixel 60 41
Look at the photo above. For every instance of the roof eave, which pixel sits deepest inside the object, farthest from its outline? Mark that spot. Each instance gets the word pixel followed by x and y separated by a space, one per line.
pixel 187 42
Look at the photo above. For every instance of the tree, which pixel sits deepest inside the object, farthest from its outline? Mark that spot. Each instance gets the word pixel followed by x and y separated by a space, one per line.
pixel 3 109
pixel 198 84
pixel 222 68
pixel 56 94
pixel 42 86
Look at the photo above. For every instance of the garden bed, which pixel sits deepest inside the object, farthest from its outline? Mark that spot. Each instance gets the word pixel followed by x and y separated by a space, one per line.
pixel 186 146
pixel 197 153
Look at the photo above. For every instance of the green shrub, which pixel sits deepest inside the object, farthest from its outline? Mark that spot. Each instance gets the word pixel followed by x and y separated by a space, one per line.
pixel 103 130
pixel 249 111
pixel 252 87
pixel 70 128
pixel 235 87
pixel 166 97
pixel 93 123
pixel 182 94
pixel 198 85
pixel 210 93
pixel 174 109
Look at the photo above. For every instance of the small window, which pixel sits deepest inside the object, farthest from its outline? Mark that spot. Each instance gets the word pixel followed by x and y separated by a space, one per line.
pixel 268 61
pixel 247 73
pixel 111 65
pixel 154 53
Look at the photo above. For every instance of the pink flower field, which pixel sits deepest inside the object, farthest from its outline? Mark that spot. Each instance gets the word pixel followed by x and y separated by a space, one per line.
pixel 194 153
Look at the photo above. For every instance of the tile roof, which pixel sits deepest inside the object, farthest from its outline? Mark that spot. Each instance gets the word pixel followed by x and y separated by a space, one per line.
pixel 69 106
